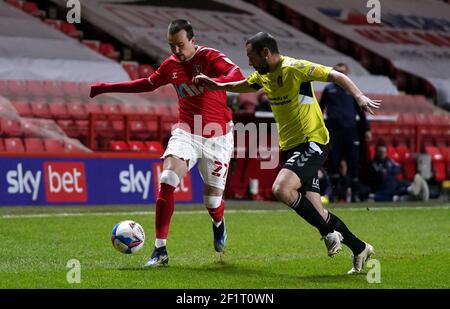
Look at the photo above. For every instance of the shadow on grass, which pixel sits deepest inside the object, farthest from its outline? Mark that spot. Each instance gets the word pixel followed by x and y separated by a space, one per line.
pixel 227 270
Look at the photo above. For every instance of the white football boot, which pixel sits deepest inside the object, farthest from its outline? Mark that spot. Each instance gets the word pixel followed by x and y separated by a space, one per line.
pixel 360 260
pixel 333 243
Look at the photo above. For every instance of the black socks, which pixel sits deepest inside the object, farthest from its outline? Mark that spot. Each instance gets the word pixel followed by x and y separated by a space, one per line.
pixel 306 210
pixel 353 242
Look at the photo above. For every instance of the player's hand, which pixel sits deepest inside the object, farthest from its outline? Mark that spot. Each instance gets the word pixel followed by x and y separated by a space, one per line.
pixel 367 104
pixel 96 89
pixel 207 81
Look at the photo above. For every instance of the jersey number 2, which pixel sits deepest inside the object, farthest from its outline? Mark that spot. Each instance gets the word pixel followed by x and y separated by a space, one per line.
pixel 219 167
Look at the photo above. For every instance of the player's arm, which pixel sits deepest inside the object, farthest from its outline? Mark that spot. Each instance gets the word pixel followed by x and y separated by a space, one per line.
pixel 134 86
pixel 240 86
pixel 346 83
pixel 229 74
pixel 154 81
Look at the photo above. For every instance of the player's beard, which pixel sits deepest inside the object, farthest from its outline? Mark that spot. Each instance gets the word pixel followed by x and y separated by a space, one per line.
pixel 263 68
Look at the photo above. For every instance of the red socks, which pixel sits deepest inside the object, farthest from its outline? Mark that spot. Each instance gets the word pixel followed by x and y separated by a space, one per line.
pixel 165 205
pixel 217 213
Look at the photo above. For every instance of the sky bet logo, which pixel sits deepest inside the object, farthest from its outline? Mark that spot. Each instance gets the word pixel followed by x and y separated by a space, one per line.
pixel 23 181
pixel 64 182
pixel 133 181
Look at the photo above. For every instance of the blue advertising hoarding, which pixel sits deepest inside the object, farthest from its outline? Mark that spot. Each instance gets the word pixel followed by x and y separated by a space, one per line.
pixel 88 180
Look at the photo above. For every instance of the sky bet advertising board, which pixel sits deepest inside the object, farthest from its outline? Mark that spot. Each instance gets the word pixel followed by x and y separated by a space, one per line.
pixel 93 181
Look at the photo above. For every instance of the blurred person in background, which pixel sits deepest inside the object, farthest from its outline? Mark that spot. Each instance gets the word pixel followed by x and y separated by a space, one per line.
pixel 385 185
pixel 346 123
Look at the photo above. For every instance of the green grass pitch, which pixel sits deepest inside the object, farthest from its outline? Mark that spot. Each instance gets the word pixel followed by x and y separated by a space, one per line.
pixel 268 247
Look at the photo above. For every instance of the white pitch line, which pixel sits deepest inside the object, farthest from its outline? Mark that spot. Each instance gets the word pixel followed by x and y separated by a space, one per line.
pixel 189 212
pixel 129 213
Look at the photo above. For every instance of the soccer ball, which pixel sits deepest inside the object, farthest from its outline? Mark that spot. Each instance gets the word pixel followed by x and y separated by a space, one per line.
pixel 128 236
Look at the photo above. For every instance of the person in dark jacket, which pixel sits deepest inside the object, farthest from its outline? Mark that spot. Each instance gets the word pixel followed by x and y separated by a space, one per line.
pixel 346 123
pixel 384 181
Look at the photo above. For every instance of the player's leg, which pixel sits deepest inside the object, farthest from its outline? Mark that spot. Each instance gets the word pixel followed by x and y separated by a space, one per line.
pixel 213 167
pixel 174 169
pixel 179 158
pixel 286 189
pixel 361 250
pixel 215 205
pixel 298 176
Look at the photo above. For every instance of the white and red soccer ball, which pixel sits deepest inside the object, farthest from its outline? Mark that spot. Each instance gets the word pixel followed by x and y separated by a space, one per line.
pixel 128 236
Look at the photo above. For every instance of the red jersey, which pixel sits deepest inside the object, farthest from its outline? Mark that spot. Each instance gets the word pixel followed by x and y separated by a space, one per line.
pixel 193 99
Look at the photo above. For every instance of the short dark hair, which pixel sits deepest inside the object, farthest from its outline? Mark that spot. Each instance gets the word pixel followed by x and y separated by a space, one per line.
pixel 181 24
pixel 341 64
pixel 263 40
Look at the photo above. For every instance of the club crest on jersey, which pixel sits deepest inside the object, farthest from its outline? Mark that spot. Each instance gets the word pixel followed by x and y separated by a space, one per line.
pixel 174 75
pixel 280 81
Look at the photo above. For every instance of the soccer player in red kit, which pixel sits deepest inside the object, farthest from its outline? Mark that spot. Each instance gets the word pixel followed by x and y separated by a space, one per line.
pixel 203 134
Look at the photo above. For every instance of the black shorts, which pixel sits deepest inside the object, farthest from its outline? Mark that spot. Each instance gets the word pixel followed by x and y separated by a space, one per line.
pixel 305 160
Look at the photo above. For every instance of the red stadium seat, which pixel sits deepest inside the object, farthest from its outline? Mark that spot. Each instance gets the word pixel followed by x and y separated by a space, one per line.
pixel 55 23
pixel 118 127
pixel 40 108
pixel 110 108
pixel 132 68
pixel 136 146
pixel 69 127
pixel 53 145
pixel 237 182
pixel 152 125
pixel 14 145
pixel 145 70
pixel 445 150
pixel 10 127
pixel 438 162
pixel 29 127
pixel 76 110
pixel 154 147
pixel 34 145
pixel 23 108
pixel 82 127
pixel 92 44
pixel 32 9
pixel 70 30
pixel 118 146
pixel 107 50
pixel 58 110
pixel 93 107
pixel 74 145
pixel 408 160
